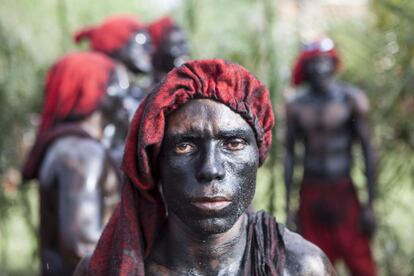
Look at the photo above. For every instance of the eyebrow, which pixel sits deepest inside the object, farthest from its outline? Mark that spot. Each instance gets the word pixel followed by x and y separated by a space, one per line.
pixel 196 134
pixel 243 132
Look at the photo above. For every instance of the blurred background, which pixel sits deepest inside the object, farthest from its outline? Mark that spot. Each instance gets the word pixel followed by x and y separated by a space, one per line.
pixel 374 38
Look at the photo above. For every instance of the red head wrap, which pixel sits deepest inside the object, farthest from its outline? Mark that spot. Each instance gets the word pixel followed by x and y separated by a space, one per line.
pixel 133 228
pixel 111 35
pixel 74 87
pixel 322 47
pixel 159 29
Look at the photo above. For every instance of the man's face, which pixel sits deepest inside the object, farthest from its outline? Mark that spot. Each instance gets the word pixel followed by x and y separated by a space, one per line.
pixel 208 166
pixel 136 54
pixel 174 49
pixel 319 70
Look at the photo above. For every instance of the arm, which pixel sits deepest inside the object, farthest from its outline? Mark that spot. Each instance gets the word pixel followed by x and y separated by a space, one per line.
pixel 289 161
pixel 363 133
pixel 80 200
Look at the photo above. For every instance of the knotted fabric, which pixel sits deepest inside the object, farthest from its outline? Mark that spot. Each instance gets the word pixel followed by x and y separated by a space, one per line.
pixel 159 29
pixel 110 35
pixel 74 87
pixel 322 47
pixel 131 233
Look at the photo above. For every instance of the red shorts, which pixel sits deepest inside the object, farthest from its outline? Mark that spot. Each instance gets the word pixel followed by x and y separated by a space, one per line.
pixel 329 215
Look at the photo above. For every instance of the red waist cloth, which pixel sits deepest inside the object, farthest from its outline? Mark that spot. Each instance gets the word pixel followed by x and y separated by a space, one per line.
pixel 329 216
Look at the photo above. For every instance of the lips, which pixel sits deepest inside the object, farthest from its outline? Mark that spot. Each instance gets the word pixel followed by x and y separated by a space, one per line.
pixel 211 204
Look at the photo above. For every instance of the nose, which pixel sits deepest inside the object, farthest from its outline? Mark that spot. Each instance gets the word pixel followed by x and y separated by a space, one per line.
pixel 211 166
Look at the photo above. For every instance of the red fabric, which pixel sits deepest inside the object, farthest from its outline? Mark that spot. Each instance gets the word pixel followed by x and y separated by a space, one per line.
pixel 133 228
pixel 339 238
pixel 74 87
pixel 110 35
pixel 312 50
pixel 159 29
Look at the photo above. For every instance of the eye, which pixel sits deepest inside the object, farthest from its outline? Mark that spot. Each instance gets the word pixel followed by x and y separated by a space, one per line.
pixel 235 144
pixel 184 148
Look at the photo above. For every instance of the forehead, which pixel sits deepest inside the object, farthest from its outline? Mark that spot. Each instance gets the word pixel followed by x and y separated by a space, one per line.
pixel 204 116
pixel 320 59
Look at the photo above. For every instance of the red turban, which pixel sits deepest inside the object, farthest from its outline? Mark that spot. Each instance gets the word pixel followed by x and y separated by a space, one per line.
pixel 74 87
pixel 111 35
pixel 322 47
pixel 159 29
pixel 133 228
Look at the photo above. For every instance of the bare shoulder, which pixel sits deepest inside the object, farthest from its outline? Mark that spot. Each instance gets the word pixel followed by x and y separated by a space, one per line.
pixel 358 99
pixel 69 149
pixel 294 101
pixel 304 258
pixel 78 147
pixel 72 154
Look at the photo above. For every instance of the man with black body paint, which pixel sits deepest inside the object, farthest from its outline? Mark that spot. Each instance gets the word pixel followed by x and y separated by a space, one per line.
pixel 171 47
pixel 327 118
pixel 79 185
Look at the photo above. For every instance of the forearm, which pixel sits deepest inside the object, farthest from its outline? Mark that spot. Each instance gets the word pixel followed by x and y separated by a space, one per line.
pixel 370 171
pixel 288 177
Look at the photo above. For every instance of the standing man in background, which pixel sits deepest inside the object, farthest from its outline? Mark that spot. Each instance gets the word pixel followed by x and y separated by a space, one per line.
pixel 79 184
pixel 327 118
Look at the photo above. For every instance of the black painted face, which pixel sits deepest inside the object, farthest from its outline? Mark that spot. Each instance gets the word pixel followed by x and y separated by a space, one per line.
pixel 319 70
pixel 208 165
pixel 174 49
pixel 136 54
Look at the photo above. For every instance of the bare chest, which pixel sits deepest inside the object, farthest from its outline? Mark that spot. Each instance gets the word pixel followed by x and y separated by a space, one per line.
pixel 328 117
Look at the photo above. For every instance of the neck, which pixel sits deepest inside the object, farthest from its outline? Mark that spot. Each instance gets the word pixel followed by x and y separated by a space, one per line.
pixel 92 125
pixel 322 87
pixel 207 254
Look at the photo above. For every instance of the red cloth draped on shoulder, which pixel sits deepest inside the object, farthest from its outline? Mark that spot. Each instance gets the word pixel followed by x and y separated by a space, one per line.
pixel 74 87
pixel 133 228
pixel 322 47
pixel 110 35
pixel 159 29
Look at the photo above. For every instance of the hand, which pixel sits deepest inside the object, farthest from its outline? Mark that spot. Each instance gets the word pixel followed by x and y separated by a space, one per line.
pixel 368 222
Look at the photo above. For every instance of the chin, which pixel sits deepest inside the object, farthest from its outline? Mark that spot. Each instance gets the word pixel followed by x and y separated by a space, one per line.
pixel 212 224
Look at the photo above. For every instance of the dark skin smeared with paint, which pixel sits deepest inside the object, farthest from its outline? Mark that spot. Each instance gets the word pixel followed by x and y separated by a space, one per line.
pixel 173 52
pixel 136 53
pixel 327 118
pixel 208 168
pixel 205 166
